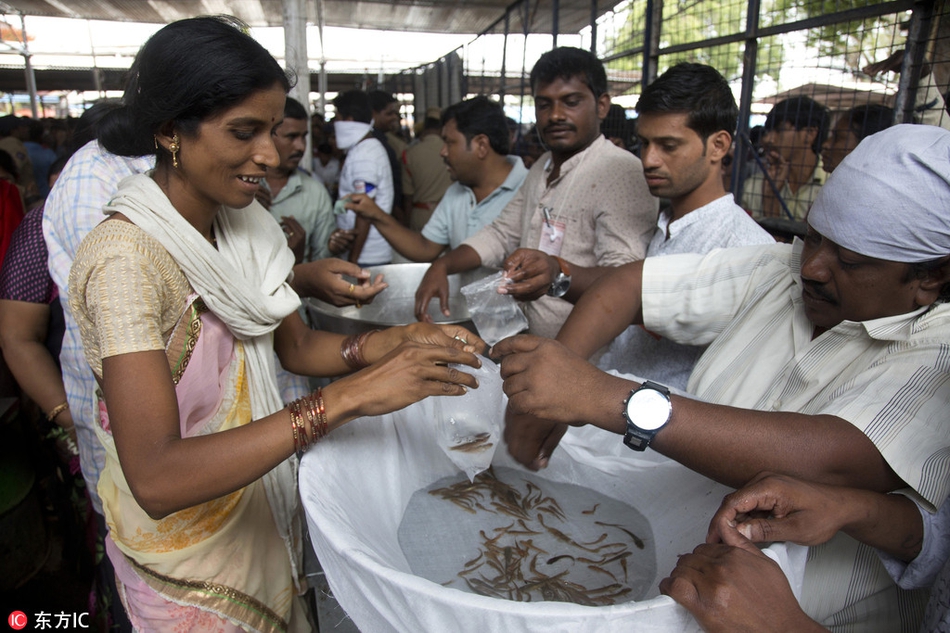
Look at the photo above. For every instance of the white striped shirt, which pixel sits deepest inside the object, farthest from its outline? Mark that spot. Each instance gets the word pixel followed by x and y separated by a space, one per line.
pixel 889 377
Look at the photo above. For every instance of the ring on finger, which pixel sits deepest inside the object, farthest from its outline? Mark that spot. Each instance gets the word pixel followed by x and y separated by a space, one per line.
pixel 358 305
pixel 351 289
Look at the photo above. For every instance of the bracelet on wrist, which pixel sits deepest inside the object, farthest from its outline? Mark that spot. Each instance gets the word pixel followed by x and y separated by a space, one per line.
pixel 316 427
pixel 55 411
pixel 351 350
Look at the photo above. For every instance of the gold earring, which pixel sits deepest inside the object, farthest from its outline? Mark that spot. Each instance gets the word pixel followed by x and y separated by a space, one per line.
pixel 173 147
pixel 155 140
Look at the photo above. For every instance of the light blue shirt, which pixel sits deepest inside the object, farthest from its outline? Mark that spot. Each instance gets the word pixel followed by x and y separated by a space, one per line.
pixel 458 216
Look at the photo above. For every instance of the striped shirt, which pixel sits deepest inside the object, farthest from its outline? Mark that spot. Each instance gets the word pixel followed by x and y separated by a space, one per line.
pixel 73 208
pixel 889 377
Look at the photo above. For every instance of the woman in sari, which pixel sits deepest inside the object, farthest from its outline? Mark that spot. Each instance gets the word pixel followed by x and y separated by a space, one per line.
pixel 181 297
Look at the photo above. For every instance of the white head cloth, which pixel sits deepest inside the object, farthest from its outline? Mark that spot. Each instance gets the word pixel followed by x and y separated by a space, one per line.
pixel 890 197
pixel 244 283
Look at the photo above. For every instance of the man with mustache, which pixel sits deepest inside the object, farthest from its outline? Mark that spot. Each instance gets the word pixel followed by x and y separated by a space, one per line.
pixel 583 208
pixel 297 200
pixel 686 120
pixel 828 360
pixel 474 150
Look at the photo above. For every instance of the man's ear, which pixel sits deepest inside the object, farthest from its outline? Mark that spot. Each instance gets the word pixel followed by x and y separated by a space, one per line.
pixel 718 145
pixel 603 105
pixel 481 146
pixel 933 282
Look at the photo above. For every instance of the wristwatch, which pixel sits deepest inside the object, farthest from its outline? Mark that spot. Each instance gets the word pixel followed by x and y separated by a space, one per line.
pixel 646 410
pixel 561 283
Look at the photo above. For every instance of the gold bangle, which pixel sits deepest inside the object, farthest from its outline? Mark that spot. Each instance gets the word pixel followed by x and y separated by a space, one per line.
pixel 55 411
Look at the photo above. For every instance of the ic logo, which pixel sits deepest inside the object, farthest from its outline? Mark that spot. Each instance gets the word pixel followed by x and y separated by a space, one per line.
pixel 17 620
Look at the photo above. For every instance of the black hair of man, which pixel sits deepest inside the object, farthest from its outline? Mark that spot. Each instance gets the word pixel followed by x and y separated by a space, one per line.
pixel 431 123
pixel 566 62
pixel 353 104
pixel 614 124
pixel 801 112
pixel 379 99
pixel 37 131
pixel 698 91
pixel 293 109
pixel 480 115
pixel 869 119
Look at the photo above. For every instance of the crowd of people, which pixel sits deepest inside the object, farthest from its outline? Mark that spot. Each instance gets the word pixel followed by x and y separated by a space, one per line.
pixel 150 307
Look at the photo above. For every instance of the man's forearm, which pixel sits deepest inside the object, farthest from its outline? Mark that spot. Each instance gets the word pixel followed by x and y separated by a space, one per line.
pixel 607 306
pixel 890 523
pixel 732 445
pixel 408 243
pixel 460 259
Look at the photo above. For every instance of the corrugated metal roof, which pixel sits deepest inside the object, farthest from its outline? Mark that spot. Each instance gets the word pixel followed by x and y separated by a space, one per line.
pixel 429 16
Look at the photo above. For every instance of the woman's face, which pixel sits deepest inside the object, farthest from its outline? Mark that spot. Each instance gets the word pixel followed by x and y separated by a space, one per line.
pixel 224 162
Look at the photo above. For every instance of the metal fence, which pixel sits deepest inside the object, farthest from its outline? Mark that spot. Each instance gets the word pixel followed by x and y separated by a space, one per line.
pixel 887 59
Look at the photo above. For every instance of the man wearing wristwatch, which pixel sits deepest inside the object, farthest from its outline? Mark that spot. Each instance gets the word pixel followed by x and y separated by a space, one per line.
pixel 584 207
pixel 828 360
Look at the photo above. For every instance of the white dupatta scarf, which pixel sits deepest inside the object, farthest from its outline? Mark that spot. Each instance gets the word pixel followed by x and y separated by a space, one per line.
pixel 244 283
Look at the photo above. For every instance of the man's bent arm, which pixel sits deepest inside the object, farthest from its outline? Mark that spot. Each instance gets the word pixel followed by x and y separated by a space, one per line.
pixel 732 445
pixel 610 304
pixel 728 444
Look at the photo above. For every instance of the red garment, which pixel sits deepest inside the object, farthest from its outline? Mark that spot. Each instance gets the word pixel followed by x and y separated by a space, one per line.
pixel 11 214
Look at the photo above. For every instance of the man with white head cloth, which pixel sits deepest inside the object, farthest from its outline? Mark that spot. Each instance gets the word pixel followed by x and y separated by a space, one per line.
pixel 828 360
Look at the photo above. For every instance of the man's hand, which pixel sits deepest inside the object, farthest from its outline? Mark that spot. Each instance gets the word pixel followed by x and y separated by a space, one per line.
pixel 296 236
pixel 435 283
pixel 779 508
pixel 324 280
pixel 532 441
pixel 531 273
pixel 365 207
pixel 736 589
pixel 545 379
pixel 891 64
pixel 340 241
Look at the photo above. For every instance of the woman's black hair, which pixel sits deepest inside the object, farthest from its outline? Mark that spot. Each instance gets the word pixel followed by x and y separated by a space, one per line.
pixel 185 73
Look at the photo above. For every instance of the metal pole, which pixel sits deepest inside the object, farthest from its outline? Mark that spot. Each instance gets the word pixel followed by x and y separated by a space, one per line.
pixel 917 37
pixel 322 79
pixel 555 6
pixel 651 42
pixel 296 59
pixel 593 26
pixel 28 67
pixel 504 59
pixel 749 61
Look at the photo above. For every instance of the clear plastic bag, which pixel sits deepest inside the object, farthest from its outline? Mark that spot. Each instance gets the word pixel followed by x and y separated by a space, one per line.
pixel 496 316
pixel 470 425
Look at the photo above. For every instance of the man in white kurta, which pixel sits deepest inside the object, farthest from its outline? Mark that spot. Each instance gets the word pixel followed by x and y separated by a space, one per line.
pixel 828 360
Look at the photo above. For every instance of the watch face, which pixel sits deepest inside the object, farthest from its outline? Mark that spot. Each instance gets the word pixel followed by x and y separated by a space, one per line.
pixel 649 409
pixel 560 286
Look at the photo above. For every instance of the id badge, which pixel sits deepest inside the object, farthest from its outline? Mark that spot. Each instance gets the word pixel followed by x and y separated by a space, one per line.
pixel 552 236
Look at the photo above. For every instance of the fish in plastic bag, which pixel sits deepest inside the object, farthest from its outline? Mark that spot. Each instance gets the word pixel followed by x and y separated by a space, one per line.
pixel 470 425
pixel 496 316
